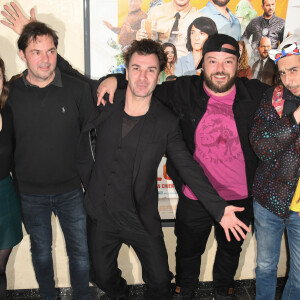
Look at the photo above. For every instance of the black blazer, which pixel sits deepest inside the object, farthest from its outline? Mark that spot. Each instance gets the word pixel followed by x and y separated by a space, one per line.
pixel 160 135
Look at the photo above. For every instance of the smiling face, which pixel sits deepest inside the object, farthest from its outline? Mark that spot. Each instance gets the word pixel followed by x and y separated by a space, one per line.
pixel 198 38
pixel 220 69
pixel 289 71
pixel 40 57
pixel 170 54
pixel 142 75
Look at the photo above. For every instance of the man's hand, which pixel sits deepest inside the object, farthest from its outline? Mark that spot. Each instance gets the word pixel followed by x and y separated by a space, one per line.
pixel 109 86
pixel 15 18
pixel 107 24
pixel 231 222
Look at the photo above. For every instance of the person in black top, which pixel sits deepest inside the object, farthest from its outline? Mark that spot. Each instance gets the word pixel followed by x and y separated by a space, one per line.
pixel 120 177
pixel 10 217
pixel 50 109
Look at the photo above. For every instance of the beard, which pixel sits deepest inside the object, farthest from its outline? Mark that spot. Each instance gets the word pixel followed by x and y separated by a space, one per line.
pixel 269 13
pixel 220 2
pixel 216 87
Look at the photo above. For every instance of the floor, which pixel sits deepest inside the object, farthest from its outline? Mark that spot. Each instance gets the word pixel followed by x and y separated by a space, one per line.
pixel 245 290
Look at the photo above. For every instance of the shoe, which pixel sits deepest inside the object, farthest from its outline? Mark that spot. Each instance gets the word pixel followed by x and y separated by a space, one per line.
pixel 225 296
pixel 182 294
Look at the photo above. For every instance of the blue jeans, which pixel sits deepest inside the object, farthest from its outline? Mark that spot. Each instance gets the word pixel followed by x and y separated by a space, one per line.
pixel 268 232
pixel 68 207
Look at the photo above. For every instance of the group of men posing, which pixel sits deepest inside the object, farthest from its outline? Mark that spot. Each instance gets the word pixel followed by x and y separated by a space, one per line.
pixel 201 123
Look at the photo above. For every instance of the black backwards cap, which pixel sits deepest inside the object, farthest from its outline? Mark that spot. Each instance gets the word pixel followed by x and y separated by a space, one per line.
pixel 215 43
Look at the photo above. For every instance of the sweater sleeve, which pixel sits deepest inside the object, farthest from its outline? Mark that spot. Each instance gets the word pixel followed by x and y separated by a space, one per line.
pixel 67 68
pixel 86 105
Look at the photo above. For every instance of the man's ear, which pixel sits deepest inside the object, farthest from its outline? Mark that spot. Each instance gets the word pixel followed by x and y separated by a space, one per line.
pixel 22 55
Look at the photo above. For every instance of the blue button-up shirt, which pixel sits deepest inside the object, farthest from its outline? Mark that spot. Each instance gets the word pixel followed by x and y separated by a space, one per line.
pixel 230 27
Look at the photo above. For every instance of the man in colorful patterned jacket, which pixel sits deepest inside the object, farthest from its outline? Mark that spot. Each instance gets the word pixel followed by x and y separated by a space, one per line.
pixel 276 191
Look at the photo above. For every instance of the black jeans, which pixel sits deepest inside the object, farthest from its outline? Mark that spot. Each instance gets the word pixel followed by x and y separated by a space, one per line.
pixel 105 238
pixel 192 228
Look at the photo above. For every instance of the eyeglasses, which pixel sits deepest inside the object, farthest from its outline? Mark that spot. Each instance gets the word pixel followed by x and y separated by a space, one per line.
pixel 265 46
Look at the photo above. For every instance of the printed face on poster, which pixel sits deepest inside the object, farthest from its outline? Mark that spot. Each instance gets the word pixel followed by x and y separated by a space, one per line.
pixel 115 23
pixel 182 27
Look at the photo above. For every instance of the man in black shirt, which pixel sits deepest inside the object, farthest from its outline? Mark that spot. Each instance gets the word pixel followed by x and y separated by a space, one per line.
pixel 49 110
pixel 121 188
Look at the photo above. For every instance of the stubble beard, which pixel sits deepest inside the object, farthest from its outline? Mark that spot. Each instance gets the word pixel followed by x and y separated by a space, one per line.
pixel 221 3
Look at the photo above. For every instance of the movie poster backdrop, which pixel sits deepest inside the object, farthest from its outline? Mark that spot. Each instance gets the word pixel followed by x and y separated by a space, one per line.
pixel 111 25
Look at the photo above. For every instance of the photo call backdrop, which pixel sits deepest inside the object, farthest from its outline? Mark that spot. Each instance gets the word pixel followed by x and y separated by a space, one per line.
pixel 111 25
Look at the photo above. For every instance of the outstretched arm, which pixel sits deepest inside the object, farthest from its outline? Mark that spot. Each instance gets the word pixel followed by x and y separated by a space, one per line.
pixel 194 176
pixel 15 19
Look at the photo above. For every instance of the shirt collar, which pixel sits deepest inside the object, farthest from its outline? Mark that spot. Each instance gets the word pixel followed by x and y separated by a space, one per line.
pixel 56 81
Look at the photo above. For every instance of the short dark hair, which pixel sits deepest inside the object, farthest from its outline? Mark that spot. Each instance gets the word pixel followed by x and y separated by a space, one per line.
pixel 32 30
pixel 204 24
pixel 146 47
pixel 4 93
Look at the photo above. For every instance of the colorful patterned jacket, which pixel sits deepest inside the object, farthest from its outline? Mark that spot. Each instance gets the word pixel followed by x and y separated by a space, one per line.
pixel 276 142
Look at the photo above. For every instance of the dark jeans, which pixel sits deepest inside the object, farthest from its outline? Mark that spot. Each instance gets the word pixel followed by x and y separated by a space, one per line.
pixel 37 211
pixel 105 238
pixel 192 228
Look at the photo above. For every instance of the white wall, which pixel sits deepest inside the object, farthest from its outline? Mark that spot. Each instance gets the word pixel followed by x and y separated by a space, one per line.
pixel 66 17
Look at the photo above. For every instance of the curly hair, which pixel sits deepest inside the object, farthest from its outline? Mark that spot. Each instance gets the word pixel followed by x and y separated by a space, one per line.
pixel 243 60
pixel 146 47
pixel 4 93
